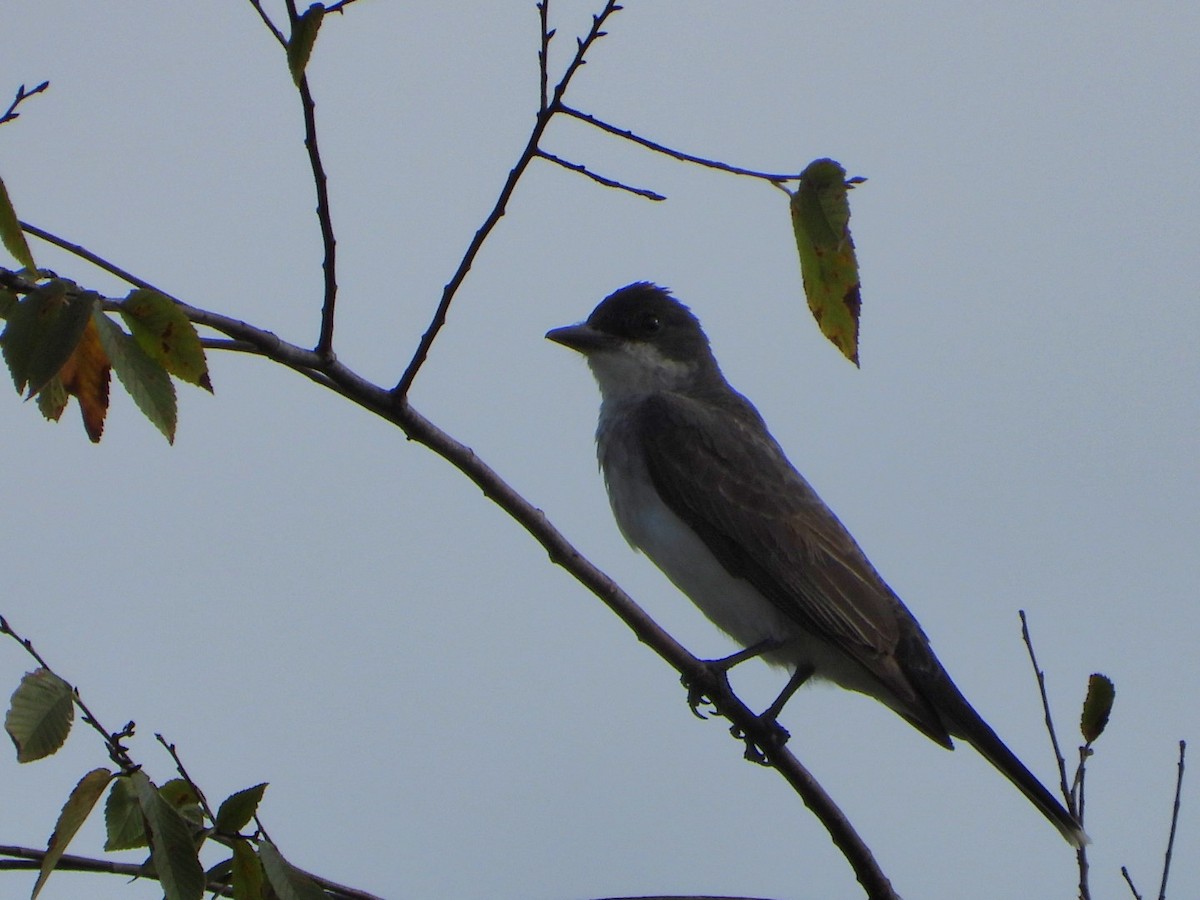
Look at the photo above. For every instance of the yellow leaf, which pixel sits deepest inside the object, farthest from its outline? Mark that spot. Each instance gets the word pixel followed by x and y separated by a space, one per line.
pixel 821 221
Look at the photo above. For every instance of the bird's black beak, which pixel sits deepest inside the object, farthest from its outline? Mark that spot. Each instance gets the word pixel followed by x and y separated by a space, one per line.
pixel 583 338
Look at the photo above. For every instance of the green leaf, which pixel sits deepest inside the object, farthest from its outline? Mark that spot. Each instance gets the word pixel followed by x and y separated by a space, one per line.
pixel 247 872
pixel 10 231
pixel 821 222
pixel 1096 707
pixel 171 847
pixel 40 714
pixel 304 35
pixel 64 330
pixel 238 809
pixel 8 302
pixel 287 881
pixel 146 380
pixel 27 327
pixel 52 399
pixel 74 813
pixel 123 822
pixel 184 798
pixel 167 336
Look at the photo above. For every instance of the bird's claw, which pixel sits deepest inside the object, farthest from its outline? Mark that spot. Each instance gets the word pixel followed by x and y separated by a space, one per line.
pixel 696 697
pixel 756 753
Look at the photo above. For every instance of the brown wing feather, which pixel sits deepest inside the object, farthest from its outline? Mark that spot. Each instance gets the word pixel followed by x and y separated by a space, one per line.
pixel 756 512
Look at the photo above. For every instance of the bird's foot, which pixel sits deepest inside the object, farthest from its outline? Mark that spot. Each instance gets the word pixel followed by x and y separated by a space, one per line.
pixel 719 670
pixel 698 689
pixel 755 752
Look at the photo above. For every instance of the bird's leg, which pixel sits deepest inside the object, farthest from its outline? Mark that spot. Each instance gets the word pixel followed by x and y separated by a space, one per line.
pixel 721 667
pixel 770 716
pixel 801 675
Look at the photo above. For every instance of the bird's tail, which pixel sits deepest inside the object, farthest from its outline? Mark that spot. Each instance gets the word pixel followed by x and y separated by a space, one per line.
pixel 963 722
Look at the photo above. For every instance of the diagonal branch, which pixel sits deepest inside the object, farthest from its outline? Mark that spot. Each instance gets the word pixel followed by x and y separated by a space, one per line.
pixel 546 113
pixel 278 35
pixel 117 751
pixel 599 179
pixel 712 685
pixel 773 177
pixel 1068 794
pixel 758 734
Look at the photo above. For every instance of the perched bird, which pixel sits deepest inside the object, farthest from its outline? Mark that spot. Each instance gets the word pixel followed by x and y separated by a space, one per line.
pixel 698 484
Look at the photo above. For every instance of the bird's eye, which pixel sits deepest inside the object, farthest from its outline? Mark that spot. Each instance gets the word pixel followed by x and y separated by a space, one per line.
pixel 651 324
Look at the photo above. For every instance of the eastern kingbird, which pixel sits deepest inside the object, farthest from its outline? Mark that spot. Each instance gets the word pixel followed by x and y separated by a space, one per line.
pixel 697 483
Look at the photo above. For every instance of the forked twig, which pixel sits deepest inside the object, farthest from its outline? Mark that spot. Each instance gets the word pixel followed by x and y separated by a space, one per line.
pixel 21 96
pixel 400 391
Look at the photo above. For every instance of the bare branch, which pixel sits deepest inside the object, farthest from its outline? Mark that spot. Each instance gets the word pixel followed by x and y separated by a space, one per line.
pixel 481 235
pixel 1068 795
pixel 1129 881
pixel 1162 889
pixel 599 179
pixel 21 96
pixel 773 177
pixel 324 217
pixel 183 773
pixel 1073 796
pixel 88 255
pixel 544 51
pixel 267 21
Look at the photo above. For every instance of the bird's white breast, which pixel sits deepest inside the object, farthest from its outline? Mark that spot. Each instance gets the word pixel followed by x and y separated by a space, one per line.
pixel 732 604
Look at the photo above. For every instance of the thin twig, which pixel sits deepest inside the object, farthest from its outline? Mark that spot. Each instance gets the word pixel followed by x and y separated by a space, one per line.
pixel 1162 890
pixel 544 52
pixel 400 391
pixel 1129 881
pixel 117 751
pixel 1074 795
pixel 1078 790
pixel 21 96
pixel 599 179
pixel 1041 680
pixel 270 25
pixel 324 216
pixel 773 177
pixel 83 253
pixel 183 773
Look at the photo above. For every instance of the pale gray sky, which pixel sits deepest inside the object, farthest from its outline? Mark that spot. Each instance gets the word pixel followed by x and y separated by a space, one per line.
pixel 295 594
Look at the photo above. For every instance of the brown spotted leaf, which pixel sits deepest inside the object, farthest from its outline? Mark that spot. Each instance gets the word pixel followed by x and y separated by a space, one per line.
pixel 167 336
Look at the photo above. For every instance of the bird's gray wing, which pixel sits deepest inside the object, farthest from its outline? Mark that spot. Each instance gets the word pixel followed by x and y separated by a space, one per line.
pixel 766 524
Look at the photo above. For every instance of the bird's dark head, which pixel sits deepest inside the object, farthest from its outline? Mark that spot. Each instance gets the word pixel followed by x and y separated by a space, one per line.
pixel 641 339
